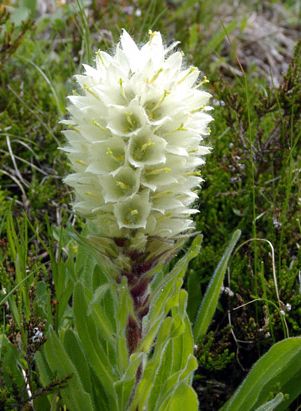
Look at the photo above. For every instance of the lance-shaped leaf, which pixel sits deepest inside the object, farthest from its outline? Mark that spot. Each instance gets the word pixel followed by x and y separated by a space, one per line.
pixel 170 364
pixel 210 300
pixel 278 370
pixel 165 294
pixel 90 337
pixel 74 395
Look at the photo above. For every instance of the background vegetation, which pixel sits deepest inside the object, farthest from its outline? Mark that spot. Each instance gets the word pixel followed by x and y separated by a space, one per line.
pixel 250 54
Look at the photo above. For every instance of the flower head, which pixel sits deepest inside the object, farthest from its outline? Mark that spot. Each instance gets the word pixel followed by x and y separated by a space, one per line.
pixel 135 141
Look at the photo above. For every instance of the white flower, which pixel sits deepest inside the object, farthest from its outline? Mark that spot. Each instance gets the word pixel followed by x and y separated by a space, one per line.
pixel 135 141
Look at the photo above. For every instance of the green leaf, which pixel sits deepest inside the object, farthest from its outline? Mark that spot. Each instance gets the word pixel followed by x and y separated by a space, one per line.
pixel 194 293
pixel 152 367
pixel 74 350
pixel 45 377
pixel 97 312
pixel 278 370
pixel 124 309
pixel 165 294
pixel 126 384
pixel 11 364
pixel 42 301
pixel 45 374
pixel 184 398
pixel 210 300
pixel 74 395
pixel 89 330
pixel 271 405
pixel 171 361
pixel 85 265
pixel 98 296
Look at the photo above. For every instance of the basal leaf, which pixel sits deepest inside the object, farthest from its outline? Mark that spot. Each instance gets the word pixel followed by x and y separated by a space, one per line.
pixel 74 351
pixel 74 394
pixel 98 358
pixel 278 370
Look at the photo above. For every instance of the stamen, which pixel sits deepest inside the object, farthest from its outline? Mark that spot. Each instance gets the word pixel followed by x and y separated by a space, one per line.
pixel 97 124
pixel 158 104
pixel 152 34
pixel 198 109
pixel 155 76
pixel 115 157
pixel 129 119
pixel 122 92
pixel 202 82
pixel 145 146
pixel 122 185
pixel 98 54
pixel 181 128
pixel 161 194
pixel 89 90
pixel 159 170
pixel 194 173
pixel 190 71
pixel 81 162
pixel 73 127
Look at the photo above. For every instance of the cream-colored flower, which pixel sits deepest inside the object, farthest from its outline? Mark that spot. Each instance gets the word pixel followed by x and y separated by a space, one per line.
pixel 135 140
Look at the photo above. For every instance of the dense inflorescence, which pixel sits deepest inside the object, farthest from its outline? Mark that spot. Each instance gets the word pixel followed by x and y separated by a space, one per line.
pixel 135 141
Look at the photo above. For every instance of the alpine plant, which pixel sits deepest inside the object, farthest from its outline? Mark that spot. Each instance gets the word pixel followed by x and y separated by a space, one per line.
pixel 135 141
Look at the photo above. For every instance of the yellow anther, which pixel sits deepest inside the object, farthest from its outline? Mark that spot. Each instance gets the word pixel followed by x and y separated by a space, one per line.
pixel 134 212
pixel 181 128
pixel 152 34
pixel 202 82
